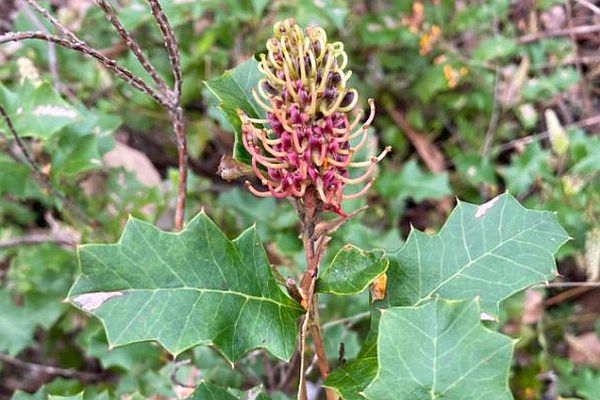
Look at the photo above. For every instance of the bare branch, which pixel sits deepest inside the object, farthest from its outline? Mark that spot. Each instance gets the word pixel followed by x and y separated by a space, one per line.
pixel 175 112
pixel 578 30
pixel 51 46
pixel 42 178
pixel 37 238
pixel 170 44
pixel 56 23
pixel 50 370
pixel 11 128
pixel 589 6
pixel 595 120
pixel 132 44
pixel 178 124
pixel 83 48
pixel 169 99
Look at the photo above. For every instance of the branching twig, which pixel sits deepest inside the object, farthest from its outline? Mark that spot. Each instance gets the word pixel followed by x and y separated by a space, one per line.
pixel 37 238
pixel 39 176
pixel 131 43
pixel 175 112
pixel 583 84
pixel 169 99
pixel 589 6
pixel 83 48
pixel 55 22
pixel 578 30
pixel 170 43
pixel 52 64
pixel 47 369
pixel 595 120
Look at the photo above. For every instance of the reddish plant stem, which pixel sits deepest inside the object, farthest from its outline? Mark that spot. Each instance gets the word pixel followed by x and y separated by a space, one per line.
pixel 179 129
pixel 309 212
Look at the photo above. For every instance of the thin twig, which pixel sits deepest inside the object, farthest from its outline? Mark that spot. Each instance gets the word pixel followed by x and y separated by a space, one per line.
pixel 175 112
pixel 578 30
pixel 131 43
pixel 167 98
pixel 83 48
pixel 314 246
pixel 567 294
pixel 178 124
pixel 495 117
pixel 37 238
pixel 589 6
pixel 542 135
pixel 55 22
pixel 13 131
pixel 39 176
pixel 50 370
pixel 571 284
pixel 170 43
pixel 583 84
pixel 348 321
pixel 52 64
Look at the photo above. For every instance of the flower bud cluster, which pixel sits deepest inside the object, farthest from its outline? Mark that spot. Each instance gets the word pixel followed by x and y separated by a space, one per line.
pixel 308 138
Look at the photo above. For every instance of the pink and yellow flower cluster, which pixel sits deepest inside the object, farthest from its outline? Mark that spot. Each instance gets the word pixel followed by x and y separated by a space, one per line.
pixel 308 138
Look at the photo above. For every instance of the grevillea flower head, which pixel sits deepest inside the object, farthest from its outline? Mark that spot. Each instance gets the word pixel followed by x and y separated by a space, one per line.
pixel 305 141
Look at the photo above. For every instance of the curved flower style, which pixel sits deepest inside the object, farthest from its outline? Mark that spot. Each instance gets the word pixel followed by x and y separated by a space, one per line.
pixel 306 137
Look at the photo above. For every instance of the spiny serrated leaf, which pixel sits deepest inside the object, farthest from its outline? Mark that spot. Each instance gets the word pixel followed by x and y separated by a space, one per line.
pixel 490 251
pixel 351 271
pixel 440 350
pixel 195 287
pixel 234 91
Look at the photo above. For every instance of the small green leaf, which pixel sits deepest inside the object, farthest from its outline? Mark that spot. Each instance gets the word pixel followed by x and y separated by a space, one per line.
pixel 208 391
pixel 351 271
pixel 526 167
pixel 440 350
pixel 497 47
pixel 234 92
pixel 191 288
pixel 413 182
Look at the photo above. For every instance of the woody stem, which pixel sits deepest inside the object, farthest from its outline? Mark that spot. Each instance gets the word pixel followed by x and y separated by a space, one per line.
pixel 309 213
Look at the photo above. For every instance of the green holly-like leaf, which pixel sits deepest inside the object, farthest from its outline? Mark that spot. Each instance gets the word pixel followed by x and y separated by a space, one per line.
pixel 234 91
pixel 440 350
pixel 195 287
pixel 351 271
pixel 489 251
